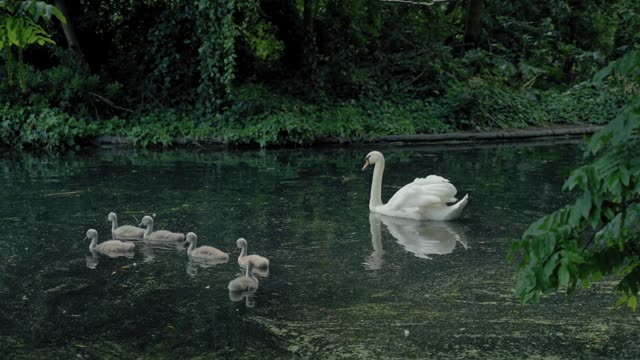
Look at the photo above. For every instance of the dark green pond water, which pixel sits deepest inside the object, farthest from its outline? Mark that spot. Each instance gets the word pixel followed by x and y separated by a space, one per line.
pixel 342 283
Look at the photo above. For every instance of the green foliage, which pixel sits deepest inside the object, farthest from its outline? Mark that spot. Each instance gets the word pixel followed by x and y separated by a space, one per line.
pixel 480 105
pixel 19 28
pixel 597 235
pixel 41 128
pixel 258 33
pixel 172 57
pixel 68 87
pixel 584 104
pixel 563 39
pixel 249 71
pixel 217 31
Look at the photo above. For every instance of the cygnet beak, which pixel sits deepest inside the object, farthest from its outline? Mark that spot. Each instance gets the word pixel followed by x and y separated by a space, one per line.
pixel 366 164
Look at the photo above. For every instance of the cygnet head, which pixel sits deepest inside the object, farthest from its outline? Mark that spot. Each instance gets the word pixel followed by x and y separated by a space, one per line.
pixel 112 216
pixel 147 220
pixel 91 233
pixel 191 237
pixel 240 243
pixel 372 158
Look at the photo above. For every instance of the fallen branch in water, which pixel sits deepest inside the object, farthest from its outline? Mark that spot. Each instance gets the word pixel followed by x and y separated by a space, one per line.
pixel 431 3
pixel 110 103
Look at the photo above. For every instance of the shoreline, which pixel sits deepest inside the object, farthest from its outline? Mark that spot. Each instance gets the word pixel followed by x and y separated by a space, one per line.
pixel 444 138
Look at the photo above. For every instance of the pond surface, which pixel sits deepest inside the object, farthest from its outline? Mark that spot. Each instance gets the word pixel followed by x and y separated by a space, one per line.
pixel 342 283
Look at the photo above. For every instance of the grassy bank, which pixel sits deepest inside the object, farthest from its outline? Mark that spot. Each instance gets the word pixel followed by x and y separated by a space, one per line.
pixel 259 117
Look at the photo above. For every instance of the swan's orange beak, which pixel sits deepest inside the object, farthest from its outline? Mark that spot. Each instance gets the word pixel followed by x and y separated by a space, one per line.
pixel 366 164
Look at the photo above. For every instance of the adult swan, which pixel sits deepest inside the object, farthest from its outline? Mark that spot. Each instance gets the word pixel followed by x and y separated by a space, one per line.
pixel 423 199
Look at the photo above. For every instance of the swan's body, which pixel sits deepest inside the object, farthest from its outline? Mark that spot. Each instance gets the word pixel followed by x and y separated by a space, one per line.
pixel 159 235
pixel 126 232
pixel 259 262
pixel 246 282
pixel 423 199
pixel 111 248
pixel 204 253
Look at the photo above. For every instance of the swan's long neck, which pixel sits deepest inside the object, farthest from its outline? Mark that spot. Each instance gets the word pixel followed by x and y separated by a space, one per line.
pixel 192 245
pixel 375 198
pixel 114 223
pixel 243 251
pixel 94 243
pixel 149 229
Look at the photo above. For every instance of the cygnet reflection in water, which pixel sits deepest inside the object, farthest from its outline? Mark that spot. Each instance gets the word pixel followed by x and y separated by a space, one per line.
pixel 149 250
pixel 92 260
pixel 248 297
pixel 194 263
pixel 422 238
pixel 246 282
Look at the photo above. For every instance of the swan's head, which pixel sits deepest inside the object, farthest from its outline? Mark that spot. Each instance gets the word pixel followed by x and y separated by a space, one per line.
pixel 91 233
pixel 372 158
pixel 146 221
pixel 240 243
pixel 191 237
pixel 112 216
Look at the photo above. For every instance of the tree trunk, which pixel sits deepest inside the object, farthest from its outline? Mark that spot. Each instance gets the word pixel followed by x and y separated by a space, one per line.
pixel 309 47
pixel 473 23
pixel 285 16
pixel 69 31
pixel 308 17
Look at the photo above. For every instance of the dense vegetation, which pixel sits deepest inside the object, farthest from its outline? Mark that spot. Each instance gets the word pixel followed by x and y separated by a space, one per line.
pixel 289 71
pixel 598 235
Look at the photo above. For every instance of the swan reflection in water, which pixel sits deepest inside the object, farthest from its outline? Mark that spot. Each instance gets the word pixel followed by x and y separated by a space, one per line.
pixel 194 263
pixel 244 286
pixel 422 238
pixel 150 249
pixel 248 297
pixel 94 259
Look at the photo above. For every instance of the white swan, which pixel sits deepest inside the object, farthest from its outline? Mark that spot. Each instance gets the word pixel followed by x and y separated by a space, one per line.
pixel 260 263
pixel 125 232
pixel 423 199
pixel 207 254
pixel 159 235
pixel 111 248
pixel 246 282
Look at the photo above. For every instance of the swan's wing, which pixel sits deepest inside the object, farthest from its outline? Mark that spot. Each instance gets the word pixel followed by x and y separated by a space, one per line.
pixel 129 231
pixel 208 251
pixel 115 247
pixel 165 235
pixel 423 192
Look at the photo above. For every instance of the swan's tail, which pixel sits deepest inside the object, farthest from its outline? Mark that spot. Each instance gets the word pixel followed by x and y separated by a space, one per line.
pixel 456 209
